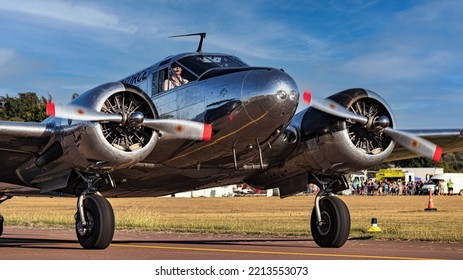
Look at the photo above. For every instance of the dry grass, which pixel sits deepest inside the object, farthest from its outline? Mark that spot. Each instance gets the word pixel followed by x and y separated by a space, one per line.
pixel 399 217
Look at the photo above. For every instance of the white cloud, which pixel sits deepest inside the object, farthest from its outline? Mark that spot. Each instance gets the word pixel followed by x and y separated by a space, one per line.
pixel 6 56
pixel 351 6
pixel 8 64
pixel 15 68
pixel 419 44
pixel 395 65
pixel 66 11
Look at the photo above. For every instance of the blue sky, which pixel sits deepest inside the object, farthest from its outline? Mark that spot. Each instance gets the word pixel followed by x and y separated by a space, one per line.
pixel 409 52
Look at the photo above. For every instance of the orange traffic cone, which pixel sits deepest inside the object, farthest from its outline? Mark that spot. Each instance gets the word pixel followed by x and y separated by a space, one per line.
pixel 430 204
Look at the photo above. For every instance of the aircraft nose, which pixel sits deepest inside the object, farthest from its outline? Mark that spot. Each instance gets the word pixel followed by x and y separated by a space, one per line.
pixel 273 93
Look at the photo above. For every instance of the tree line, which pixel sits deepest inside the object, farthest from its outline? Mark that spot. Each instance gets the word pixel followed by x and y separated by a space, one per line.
pixel 27 107
pixel 451 163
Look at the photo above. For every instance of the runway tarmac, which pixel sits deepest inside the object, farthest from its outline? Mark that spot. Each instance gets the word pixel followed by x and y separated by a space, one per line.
pixel 61 244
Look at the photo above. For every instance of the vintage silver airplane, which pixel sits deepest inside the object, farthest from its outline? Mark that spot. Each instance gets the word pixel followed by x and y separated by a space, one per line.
pixel 200 120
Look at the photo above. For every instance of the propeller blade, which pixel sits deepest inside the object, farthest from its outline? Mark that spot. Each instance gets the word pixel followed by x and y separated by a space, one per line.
pixel 182 129
pixel 333 108
pixel 409 141
pixel 75 112
pixel 415 144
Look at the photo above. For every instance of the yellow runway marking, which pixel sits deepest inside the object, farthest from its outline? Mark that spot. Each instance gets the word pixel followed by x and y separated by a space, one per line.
pixel 268 252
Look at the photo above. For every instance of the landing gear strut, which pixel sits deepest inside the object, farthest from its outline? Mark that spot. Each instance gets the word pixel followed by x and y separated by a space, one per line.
pixel 1 224
pixel 95 221
pixel 3 199
pixel 330 220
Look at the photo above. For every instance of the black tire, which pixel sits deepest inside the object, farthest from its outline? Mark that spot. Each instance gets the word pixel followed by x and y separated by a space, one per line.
pixel 336 228
pixel 100 216
pixel 1 225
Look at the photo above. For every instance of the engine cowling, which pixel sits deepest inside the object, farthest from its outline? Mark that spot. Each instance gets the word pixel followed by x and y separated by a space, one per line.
pixel 106 146
pixel 334 145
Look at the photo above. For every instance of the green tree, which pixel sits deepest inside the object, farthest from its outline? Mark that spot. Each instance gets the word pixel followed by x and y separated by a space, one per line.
pixel 26 107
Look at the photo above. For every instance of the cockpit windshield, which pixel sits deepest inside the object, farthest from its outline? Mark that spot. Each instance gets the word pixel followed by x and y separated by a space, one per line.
pixel 190 68
pixel 198 64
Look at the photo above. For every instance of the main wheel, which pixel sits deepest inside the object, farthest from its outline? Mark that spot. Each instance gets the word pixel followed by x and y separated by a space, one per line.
pixel 335 227
pixel 99 216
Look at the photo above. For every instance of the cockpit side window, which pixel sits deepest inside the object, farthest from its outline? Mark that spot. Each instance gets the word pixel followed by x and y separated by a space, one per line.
pixel 186 73
pixel 174 76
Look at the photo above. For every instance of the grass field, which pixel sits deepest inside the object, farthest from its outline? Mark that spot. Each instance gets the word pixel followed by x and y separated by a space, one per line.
pixel 400 217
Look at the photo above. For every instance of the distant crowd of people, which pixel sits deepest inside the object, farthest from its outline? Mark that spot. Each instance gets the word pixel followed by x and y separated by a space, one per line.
pixel 394 187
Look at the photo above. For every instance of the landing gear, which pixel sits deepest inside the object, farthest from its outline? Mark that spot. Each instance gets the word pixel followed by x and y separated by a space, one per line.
pixel 96 230
pixel 95 221
pixel 1 224
pixel 334 226
pixel 330 220
pixel 3 199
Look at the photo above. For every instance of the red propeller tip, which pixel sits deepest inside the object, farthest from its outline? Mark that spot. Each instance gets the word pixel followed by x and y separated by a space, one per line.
pixel 437 154
pixel 207 133
pixel 307 97
pixel 50 109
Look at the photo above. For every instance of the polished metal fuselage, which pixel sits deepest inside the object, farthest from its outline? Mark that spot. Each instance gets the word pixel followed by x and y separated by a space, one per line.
pixel 248 110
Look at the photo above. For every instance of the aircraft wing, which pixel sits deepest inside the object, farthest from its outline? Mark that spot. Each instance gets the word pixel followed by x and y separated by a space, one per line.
pixel 19 143
pixel 451 140
pixel 23 137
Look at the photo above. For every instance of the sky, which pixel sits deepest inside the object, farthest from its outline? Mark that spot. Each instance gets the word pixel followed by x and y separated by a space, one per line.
pixel 409 52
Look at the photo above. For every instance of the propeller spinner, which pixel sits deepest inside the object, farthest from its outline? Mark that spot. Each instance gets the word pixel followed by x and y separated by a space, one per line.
pixel 409 141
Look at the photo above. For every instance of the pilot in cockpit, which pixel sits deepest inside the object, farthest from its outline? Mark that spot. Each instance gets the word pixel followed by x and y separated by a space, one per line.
pixel 175 79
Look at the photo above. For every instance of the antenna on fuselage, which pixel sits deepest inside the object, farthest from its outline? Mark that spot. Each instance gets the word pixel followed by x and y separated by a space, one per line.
pixel 200 46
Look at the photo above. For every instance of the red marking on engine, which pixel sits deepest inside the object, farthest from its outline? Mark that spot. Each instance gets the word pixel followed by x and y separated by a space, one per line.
pixel 80 111
pixel 179 128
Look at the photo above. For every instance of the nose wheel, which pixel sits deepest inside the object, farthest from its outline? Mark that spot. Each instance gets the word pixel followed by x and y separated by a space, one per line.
pixel 96 229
